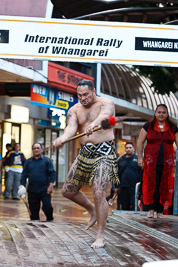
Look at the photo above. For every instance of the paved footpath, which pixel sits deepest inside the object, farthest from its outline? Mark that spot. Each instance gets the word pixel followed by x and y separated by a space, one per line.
pixel 131 238
pixel 128 242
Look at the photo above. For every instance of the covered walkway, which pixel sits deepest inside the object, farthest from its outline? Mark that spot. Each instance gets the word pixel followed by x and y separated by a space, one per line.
pixel 133 92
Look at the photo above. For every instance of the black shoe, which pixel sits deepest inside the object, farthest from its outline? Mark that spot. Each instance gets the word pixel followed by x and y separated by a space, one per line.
pixel 16 198
pixel 6 198
pixel 49 219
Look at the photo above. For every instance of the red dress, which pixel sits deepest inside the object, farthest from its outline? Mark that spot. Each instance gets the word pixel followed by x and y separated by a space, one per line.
pixel 154 140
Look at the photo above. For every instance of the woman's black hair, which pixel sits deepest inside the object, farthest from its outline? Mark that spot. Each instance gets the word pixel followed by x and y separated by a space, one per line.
pixel 171 124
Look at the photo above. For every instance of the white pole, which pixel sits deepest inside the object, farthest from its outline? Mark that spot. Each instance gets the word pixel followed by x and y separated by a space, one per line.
pixel 175 201
pixel 98 79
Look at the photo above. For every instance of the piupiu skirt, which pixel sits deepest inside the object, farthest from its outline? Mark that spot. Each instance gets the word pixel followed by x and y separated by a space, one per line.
pixel 93 157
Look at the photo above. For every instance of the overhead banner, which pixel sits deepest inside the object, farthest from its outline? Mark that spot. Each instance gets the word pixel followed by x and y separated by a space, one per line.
pixel 88 41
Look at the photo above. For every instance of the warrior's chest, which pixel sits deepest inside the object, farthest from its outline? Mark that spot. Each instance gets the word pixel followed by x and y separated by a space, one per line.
pixel 88 116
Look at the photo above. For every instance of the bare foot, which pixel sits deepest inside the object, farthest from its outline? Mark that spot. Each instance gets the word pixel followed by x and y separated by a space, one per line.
pixel 160 215
pixel 150 214
pixel 99 243
pixel 91 221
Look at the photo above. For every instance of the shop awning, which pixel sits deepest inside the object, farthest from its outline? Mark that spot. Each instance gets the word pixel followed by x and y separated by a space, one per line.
pixel 15 73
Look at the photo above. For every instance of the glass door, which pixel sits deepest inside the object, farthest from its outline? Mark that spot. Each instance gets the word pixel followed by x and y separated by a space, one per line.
pixel 15 134
pixel 54 154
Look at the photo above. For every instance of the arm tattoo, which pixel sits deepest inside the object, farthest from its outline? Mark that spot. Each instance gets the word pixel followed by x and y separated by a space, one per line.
pixel 71 118
pixel 108 106
pixel 69 115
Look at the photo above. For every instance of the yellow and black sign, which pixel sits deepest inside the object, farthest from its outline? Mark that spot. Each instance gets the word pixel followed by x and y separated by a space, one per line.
pixel 62 104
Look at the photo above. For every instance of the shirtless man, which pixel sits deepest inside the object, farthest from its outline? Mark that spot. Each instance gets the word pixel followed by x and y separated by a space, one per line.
pixel 96 163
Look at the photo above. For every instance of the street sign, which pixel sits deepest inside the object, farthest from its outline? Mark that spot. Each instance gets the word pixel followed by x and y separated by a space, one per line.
pixel 44 96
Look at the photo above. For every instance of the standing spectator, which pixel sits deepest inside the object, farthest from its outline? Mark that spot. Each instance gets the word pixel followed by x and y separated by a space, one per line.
pixel 158 164
pixel 8 148
pixel 129 174
pixel 14 165
pixel 41 175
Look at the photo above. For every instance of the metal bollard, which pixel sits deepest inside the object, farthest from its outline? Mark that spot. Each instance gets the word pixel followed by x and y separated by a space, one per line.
pixel 175 203
pixel 136 196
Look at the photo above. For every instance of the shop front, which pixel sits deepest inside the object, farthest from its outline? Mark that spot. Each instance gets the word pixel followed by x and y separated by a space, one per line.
pixel 36 112
pixel 15 126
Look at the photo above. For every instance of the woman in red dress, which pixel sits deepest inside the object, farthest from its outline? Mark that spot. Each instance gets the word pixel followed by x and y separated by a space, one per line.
pixel 158 163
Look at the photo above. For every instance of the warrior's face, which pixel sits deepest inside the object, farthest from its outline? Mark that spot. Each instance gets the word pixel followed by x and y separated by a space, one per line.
pixel 85 95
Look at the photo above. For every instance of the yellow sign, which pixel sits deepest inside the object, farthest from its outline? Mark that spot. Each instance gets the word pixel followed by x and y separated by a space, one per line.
pixel 62 104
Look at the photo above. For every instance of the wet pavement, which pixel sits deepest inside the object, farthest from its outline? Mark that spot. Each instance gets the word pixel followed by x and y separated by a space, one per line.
pixel 131 238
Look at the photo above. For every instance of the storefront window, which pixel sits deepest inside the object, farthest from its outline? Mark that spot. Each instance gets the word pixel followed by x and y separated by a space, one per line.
pixel 62 161
pixel 6 136
pixel 48 142
pixel 0 137
pixel 53 151
pixel 15 138
pixel 41 136
pixel 121 146
pixel 59 156
pixel 11 134
pixel 27 139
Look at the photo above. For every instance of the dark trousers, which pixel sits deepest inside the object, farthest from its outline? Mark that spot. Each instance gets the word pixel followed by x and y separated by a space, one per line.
pixel 35 199
pixel 127 201
pixel 111 193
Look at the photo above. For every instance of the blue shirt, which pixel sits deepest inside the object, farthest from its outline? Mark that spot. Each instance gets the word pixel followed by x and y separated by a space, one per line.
pixel 129 171
pixel 40 173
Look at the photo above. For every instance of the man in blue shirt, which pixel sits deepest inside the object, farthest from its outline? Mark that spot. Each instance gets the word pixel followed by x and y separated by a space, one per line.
pixel 129 174
pixel 41 175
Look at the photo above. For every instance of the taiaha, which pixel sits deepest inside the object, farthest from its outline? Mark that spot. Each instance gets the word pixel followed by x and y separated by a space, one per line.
pixel 111 122
pixel 105 125
pixel 27 206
